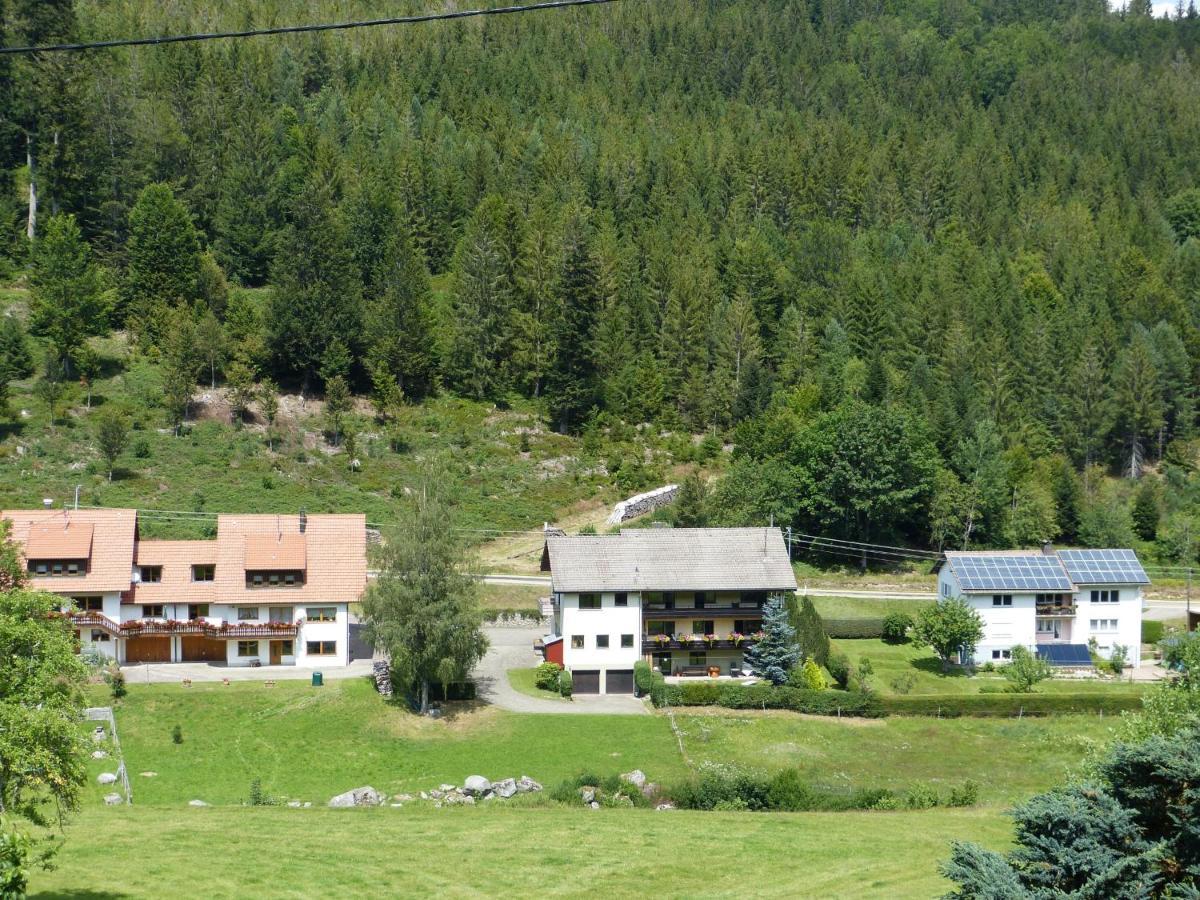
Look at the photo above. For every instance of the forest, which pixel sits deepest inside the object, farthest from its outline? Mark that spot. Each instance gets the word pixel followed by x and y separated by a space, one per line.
pixel 931 268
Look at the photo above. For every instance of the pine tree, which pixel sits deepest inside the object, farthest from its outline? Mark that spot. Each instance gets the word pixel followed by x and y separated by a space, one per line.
pixel 181 363
pixel 1138 399
pixel 777 653
pixel 810 631
pixel 571 389
pixel 337 404
pixel 163 261
pixel 688 511
pixel 15 358
pixel 482 300
pixel 399 318
pixel 1146 510
pixel 66 305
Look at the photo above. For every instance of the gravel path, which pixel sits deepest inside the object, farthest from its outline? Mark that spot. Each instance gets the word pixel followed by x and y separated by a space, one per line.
pixel 512 648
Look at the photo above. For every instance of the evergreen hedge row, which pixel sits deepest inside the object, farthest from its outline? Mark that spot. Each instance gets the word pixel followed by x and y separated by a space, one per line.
pixel 765 696
pixel 1009 705
pixel 854 628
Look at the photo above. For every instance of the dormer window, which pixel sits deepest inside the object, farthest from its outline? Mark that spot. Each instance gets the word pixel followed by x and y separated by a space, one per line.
pixel 277 579
pixel 57 568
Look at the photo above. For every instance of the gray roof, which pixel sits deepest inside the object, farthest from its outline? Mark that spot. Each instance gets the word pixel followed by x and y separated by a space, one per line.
pixel 671 559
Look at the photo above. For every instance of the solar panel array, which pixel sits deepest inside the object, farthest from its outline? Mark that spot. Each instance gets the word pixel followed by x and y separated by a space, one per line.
pixel 1103 567
pixel 1034 572
pixel 1065 654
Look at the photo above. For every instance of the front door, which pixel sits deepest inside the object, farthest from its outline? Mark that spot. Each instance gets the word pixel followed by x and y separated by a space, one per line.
pixel 276 653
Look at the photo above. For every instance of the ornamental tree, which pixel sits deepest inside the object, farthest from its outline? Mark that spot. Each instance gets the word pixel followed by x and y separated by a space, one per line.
pixel 948 627
pixel 1026 669
pixel 777 653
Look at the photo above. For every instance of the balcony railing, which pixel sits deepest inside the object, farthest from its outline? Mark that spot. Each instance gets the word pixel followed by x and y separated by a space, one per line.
pixel 653 643
pixel 217 630
pixel 1052 609
pixel 93 619
pixel 703 612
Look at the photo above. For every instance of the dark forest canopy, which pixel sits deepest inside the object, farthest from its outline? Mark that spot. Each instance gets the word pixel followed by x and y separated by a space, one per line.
pixel 969 229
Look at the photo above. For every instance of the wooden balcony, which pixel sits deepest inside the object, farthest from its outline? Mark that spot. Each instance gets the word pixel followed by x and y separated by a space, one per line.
pixel 222 631
pixel 702 612
pixel 1053 610
pixel 652 643
pixel 93 619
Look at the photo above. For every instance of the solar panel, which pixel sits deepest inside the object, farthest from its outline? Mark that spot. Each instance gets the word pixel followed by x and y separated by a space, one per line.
pixel 1065 654
pixel 1103 567
pixel 1034 572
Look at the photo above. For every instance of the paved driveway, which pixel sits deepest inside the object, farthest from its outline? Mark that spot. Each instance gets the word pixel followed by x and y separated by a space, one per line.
pixel 512 648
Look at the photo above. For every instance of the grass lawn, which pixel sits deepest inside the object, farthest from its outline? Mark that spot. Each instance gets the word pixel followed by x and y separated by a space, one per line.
pixel 482 851
pixel 1011 759
pixel 892 662
pixel 523 680
pixel 864 608
pixel 515 596
pixel 311 743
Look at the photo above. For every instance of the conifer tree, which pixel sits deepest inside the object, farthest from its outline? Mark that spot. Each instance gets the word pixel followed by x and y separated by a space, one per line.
pixel 571 389
pixel 777 653
pixel 163 261
pixel 66 305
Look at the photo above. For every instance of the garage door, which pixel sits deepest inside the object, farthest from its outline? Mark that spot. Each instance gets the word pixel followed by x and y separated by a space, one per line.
pixel 148 648
pixel 618 681
pixel 585 681
pixel 197 648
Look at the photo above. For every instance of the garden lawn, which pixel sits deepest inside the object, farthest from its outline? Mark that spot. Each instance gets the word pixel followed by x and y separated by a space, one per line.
pixel 507 851
pixel 894 665
pixel 524 680
pixel 865 608
pixel 312 743
pixel 1009 758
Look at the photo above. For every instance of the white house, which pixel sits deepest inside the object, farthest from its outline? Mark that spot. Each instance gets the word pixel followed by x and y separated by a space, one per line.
pixel 269 590
pixel 687 600
pixel 1051 602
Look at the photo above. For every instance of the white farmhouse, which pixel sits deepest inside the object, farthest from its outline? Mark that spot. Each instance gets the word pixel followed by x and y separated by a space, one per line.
pixel 1053 602
pixel 269 590
pixel 687 600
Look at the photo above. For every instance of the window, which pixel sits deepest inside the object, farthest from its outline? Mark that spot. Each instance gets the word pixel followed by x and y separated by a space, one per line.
pixel 703 626
pixel 626 640
pixel 286 648
pixel 204 573
pixel 280 613
pixel 1001 599
pixel 945 589
pixel 747 626
pixel 1001 654
pixel 89 604
pixel 662 662
pixel 660 628
pixel 247 648
pixel 150 574
pixel 247 613
pixel 602 642
pixel 197 611
pixel 1106 596
pixel 701 598
pixel 285 578
pixel 620 598
pixel 321 614
pixel 577 642
pixel 1045 626
pixel 152 610
pixel 60 567
pixel 589 601
pixel 698 659
pixel 322 648
pixel 99 636
pixel 1104 624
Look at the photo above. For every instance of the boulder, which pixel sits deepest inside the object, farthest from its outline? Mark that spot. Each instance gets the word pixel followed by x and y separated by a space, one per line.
pixel 665 805
pixel 650 789
pixel 307 804
pixel 436 795
pixel 424 795
pixel 594 805
pixel 396 805
pixel 363 796
pixel 148 774
pixel 505 788
pixel 637 778
pixel 403 798
pixel 197 803
pixel 526 785
pixel 588 794
pixel 113 799
pixel 107 778
pixel 295 804
pixel 99 754
pixel 476 784
pixel 446 788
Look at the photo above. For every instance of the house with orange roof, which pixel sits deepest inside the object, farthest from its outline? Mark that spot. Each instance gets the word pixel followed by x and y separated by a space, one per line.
pixel 269 590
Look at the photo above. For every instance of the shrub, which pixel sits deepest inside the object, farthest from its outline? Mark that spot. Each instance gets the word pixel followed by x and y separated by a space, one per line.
pixel 865 668
pixel 789 792
pixel 699 693
pixel 839 669
pixel 177 734
pixel 921 796
pixel 546 676
pixel 658 689
pixel 116 681
pixel 1152 631
pixel 811 676
pixel 642 677
pixel 1026 669
pixel 965 794
pixel 903 683
pixel 811 632
pixel 1008 704
pixel 259 797
pixel 15 851
pixel 766 696
pixel 854 629
pixel 565 685
pixel 1116 662
pixel 895 627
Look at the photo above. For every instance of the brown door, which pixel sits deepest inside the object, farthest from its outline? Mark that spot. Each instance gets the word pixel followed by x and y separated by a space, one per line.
pixel 618 681
pixel 198 648
pixel 148 648
pixel 585 681
pixel 276 653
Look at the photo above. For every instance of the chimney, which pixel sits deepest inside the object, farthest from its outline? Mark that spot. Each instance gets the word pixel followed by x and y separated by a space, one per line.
pixel 303 520
pixel 1048 549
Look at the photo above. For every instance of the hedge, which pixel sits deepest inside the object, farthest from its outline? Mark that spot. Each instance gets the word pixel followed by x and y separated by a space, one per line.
pixel 981 705
pixel 766 696
pixel 1152 631
pixel 854 628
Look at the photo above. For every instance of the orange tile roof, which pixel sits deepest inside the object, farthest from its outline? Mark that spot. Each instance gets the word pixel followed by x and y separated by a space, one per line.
pixel 112 536
pixel 335 557
pixel 61 539
pixel 176 559
pixel 280 552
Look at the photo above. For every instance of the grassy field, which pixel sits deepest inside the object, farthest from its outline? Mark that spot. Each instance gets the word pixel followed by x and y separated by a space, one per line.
pixel 895 665
pixel 473 852
pixel 1010 759
pixel 523 680
pixel 516 596
pixel 860 608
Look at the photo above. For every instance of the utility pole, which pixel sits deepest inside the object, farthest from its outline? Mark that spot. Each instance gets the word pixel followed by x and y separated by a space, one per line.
pixel 789 542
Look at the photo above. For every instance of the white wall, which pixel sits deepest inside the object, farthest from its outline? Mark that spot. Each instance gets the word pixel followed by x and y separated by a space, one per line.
pixel 1127 612
pixel 611 620
pixel 338 630
pixel 1004 627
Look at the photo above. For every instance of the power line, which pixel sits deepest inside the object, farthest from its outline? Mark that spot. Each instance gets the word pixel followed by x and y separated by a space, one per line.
pixel 299 29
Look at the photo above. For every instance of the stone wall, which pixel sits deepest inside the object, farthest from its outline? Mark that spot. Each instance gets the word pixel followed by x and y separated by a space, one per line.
pixel 643 503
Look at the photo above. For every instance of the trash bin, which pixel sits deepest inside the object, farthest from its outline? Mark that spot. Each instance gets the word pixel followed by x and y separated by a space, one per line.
pixel 318 679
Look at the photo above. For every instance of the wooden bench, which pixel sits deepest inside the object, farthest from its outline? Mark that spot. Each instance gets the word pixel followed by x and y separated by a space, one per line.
pixel 688 671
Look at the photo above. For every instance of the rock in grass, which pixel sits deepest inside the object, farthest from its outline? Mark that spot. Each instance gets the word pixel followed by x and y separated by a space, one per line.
pixel 505 789
pixel 197 803
pixel 107 778
pixel 113 799
pixel 363 796
pixel 637 778
pixel 476 784
pixel 148 774
pixel 99 754
pixel 526 785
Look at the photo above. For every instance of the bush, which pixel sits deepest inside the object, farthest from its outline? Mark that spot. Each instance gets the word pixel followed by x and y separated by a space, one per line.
pixel 642 677
pixel 724 787
pixel 259 797
pixel 965 794
pixel 766 696
pixel 177 734
pixel 1117 661
pixel 546 676
pixel 1152 631
pixel 116 681
pixel 839 669
pixel 789 792
pixel 658 689
pixel 895 627
pixel 903 683
pixel 921 796
pixel 15 851
pixel 1008 704
pixel 808 676
pixel 854 629
pixel 565 685
pixel 865 669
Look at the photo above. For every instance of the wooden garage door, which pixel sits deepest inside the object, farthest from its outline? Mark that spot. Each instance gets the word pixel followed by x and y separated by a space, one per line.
pixel 618 681
pixel 198 648
pixel 148 648
pixel 585 681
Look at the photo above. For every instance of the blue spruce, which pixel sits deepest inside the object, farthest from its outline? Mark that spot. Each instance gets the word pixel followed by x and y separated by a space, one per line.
pixel 774 656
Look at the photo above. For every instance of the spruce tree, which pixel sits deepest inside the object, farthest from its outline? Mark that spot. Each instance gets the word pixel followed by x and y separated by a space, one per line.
pixel 66 304
pixel 571 388
pixel 163 261
pixel 1146 510
pixel 777 653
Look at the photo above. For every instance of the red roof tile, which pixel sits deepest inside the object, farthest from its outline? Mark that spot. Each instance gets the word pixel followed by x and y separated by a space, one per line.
pixel 111 539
